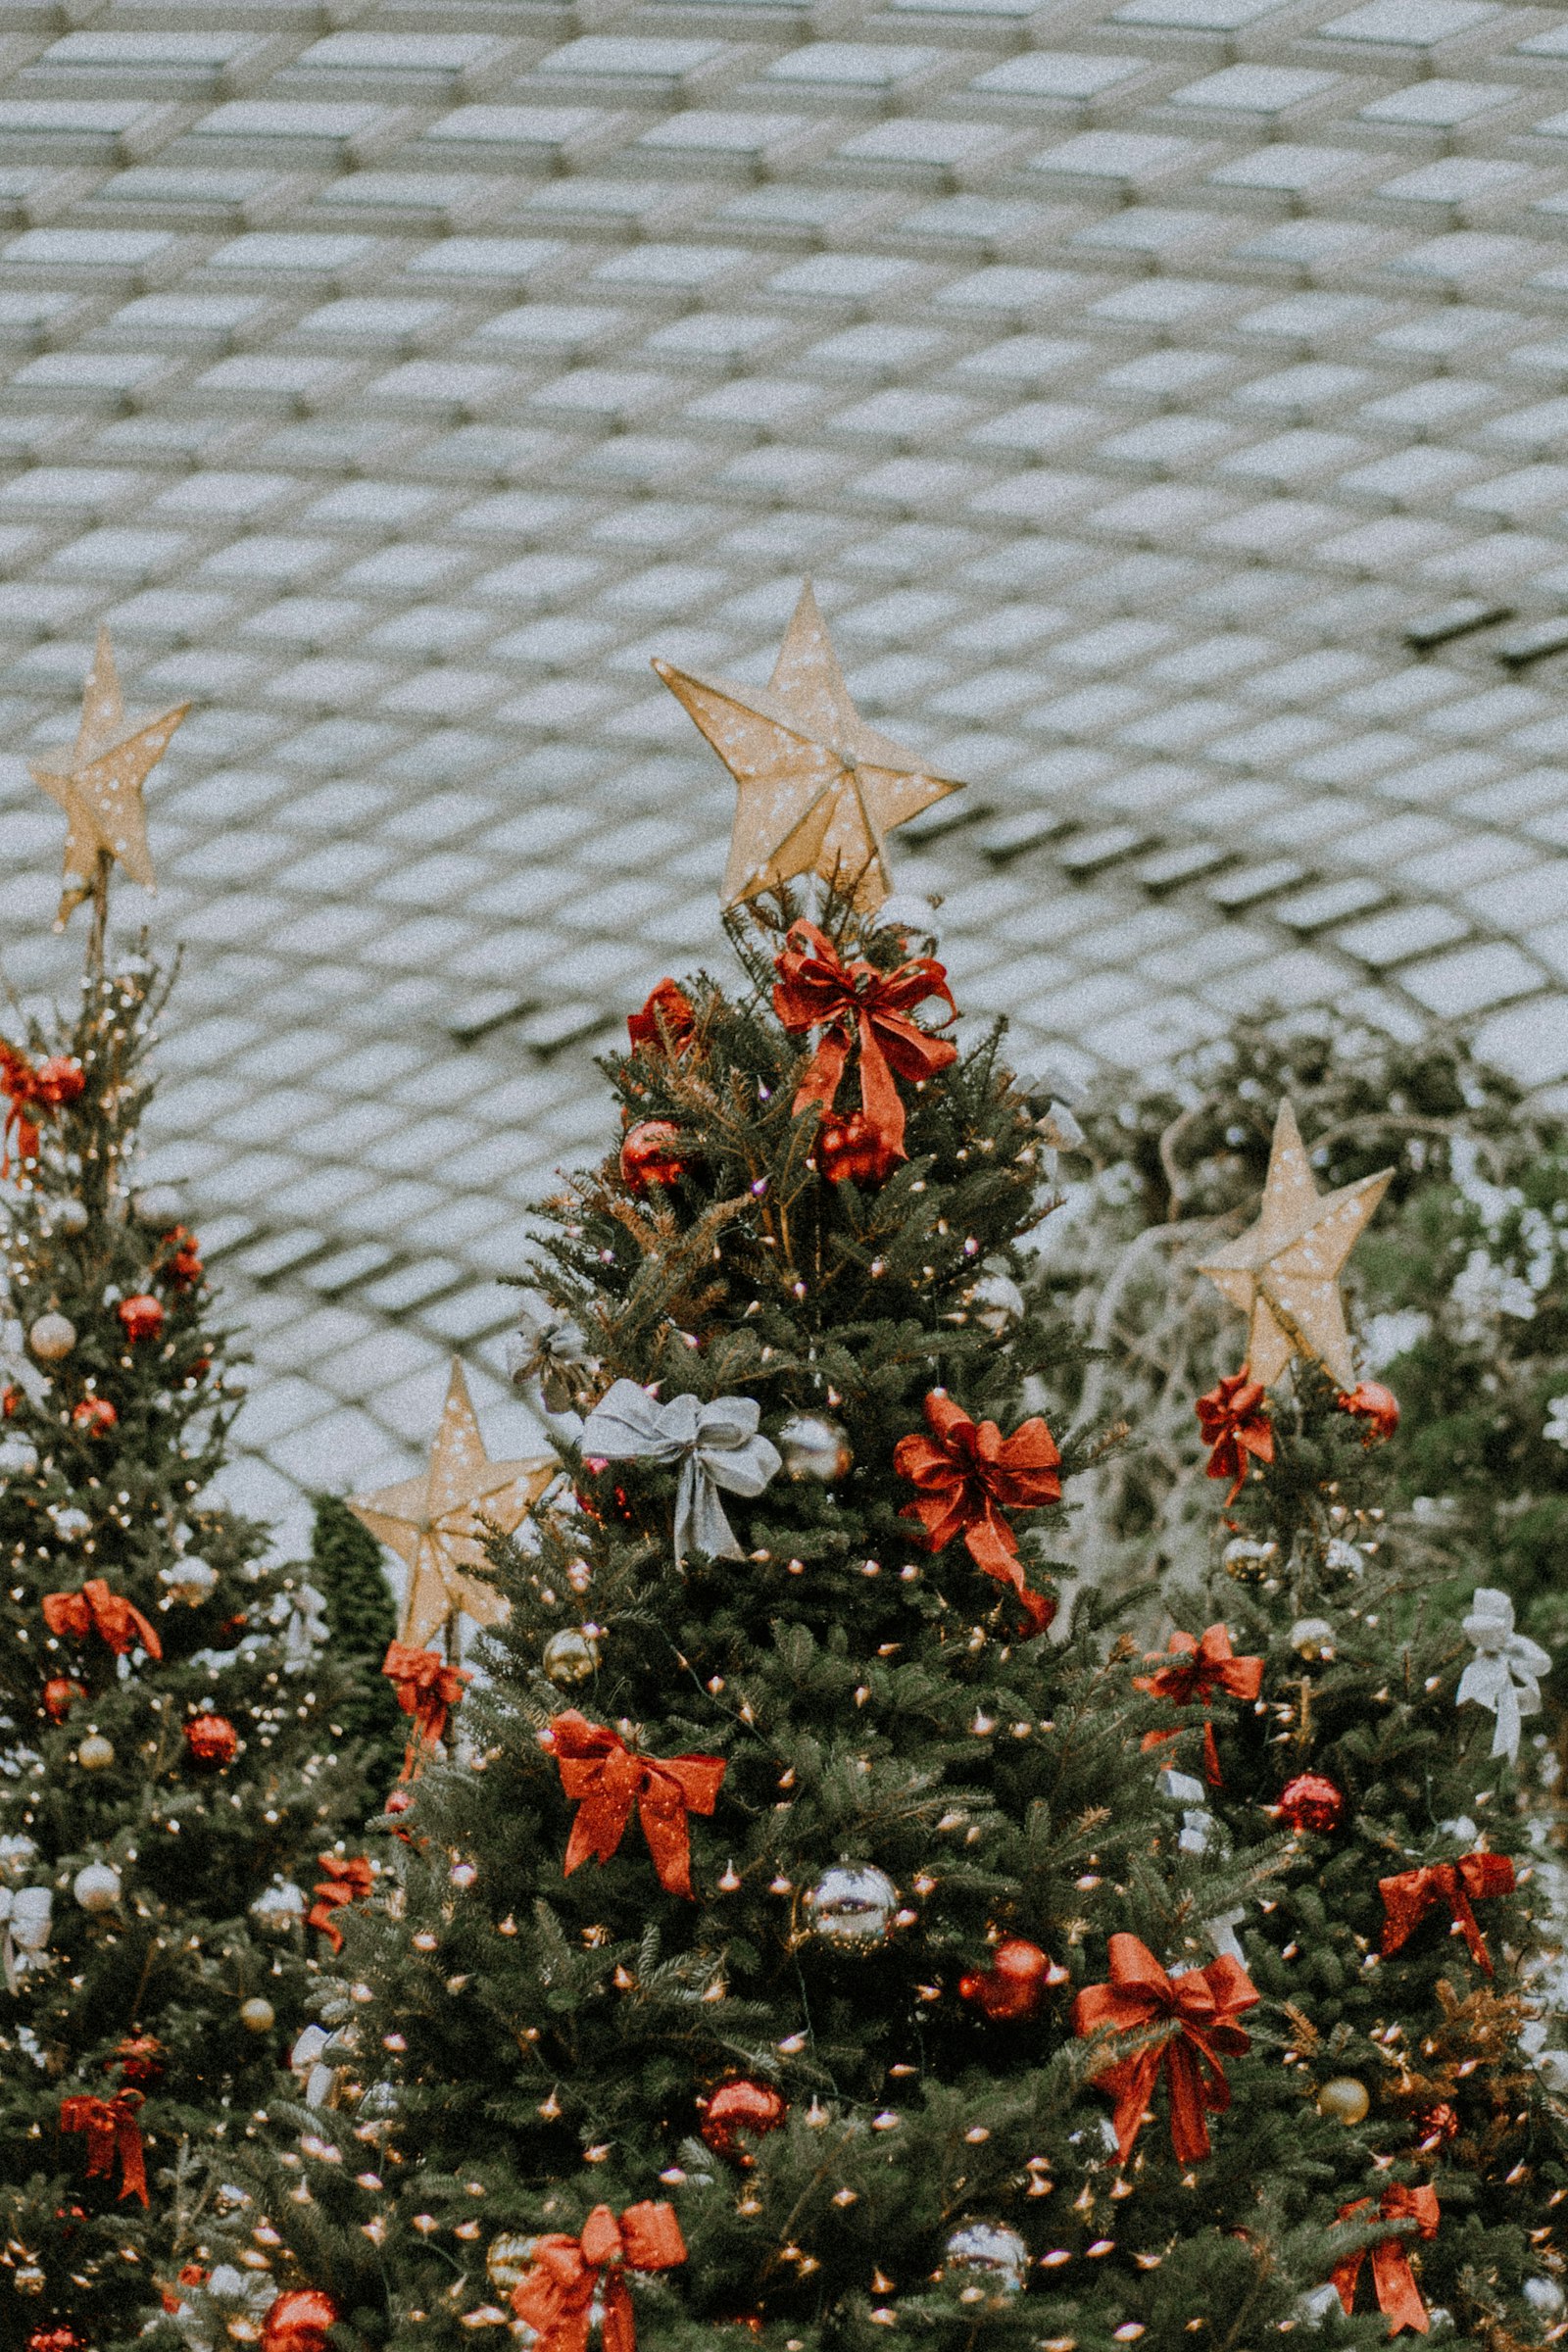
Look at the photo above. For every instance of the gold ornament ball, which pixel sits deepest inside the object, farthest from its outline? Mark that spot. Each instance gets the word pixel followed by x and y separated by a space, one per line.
pixel 1345 2101
pixel 257 2016
pixel 508 2261
pixel 96 1753
pixel 52 1338
pixel 570 1657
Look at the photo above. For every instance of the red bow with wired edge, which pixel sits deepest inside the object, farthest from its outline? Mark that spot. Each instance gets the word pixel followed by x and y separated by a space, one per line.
pixel 1396 2288
pixel 426 1688
pixel 604 1779
pixel 113 2133
pixel 346 1878
pixel 817 990
pixel 1197 2010
pixel 969 1474
pixel 568 2273
pixel 96 1608
pixel 32 1088
pixel 1232 1420
pixel 1202 1667
pixel 1408 1898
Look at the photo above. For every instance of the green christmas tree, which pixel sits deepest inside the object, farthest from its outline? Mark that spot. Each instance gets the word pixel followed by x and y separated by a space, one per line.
pixel 346 1566
pixel 170 1772
pixel 1376 1753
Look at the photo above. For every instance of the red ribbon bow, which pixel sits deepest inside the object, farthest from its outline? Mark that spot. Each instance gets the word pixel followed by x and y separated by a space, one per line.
pixel 969 1474
pixel 667 1022
pixel 346 1878
pixel 32 1090
pixel 1207 1666
pixel 1408 1898
pixel 1197 2010
pixel 121 1623
pixel 816 990
pixel 426 1688
pixel 569 2272
pixel 602 1779
pixel 113 2133
pixel 1396 2291
pixel 1234 1423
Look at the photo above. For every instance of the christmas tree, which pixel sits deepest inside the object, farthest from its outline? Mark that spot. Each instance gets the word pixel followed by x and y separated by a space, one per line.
pixel 725 1973
pixel 362 1619
pixel 168 1770
pixel 1399 1949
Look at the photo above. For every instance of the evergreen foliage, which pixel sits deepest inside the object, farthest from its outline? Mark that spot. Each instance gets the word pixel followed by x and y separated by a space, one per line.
pixel 348 1569
pixel 141 1633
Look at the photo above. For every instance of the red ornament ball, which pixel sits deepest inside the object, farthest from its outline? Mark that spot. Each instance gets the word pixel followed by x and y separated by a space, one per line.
pixel 141 1317
pixel 743 2105
pixel 1311 1803
pixel 1375 1404
pixel 10 1399
pixel 299 2319
pixel 59 1695
pixel 1435 2126
pixel 1017 1984
pixel 853 1149
pixel 650 1154
pixel 140 2060
pixel 211 1740
pixel 56 2339
pixel 94 1415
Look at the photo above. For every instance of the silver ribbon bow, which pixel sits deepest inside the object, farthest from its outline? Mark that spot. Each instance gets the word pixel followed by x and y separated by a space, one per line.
pixel 715 1444
pixel 1504 1675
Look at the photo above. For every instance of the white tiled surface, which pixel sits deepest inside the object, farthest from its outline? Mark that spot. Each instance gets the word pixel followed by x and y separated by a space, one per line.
pixel 397 379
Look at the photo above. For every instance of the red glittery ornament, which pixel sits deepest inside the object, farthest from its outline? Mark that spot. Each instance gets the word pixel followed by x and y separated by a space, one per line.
pixel 10 1399
pixel 140 2060
pixel 1017 1984
pixel 1311 1803
pixel 1377 1405
pixel 743 2105
pixel 56 2339
pixel 182 1267
pixel 95 1415
pixel 211 1740
pixel 141 1317
pixel 59 1695
pixel 1435 2126
pixel 652 1155
pixel 299 2319
pixel 853 1148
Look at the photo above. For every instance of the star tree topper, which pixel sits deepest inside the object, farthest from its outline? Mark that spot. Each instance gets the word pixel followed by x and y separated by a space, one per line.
pixel 100 790
pixel 1282 1272
pixel 436 1522
pixel 819 791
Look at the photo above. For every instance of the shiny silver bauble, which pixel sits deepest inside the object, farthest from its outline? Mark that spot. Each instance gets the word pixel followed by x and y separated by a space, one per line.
pixel 988 2257
pixel 52 1338
pixel 279 1908
pixel 851 1907
pixel 188 1579
pixel 815 1448
pixel 157 1207
pixel 570 1657
pixel 97 1886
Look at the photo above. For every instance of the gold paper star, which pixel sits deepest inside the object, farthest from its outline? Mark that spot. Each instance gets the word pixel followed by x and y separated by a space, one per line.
pixel 100 790
pixel 819 789
pixel 434 1522
pixel 1281 1273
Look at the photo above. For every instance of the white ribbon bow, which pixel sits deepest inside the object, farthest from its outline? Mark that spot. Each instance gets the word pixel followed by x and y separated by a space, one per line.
pixel 1503 1676
pixel 715 1444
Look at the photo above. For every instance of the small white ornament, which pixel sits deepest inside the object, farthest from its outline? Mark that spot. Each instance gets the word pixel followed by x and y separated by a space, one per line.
pixel 996 1301
pixel 188 1579
pixel 157 1207
pixel 1545 2295
pixel 97 1886
pixel 906 910
pixel 279 1907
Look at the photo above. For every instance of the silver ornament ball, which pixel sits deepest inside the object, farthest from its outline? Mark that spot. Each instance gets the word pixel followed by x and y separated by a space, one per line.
pixel 1312 1638
pixel 52 1338
pixel 70 1215
pixel 1545 2295
pixel 97 1886
pixel 279 1908
pixel 815 1448
pixel 851 1906
pixel 989 2256
pixel 27 2278
pixel 570 1657
pixel 509 2260
pixel 95 1753
pixel 157 1207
